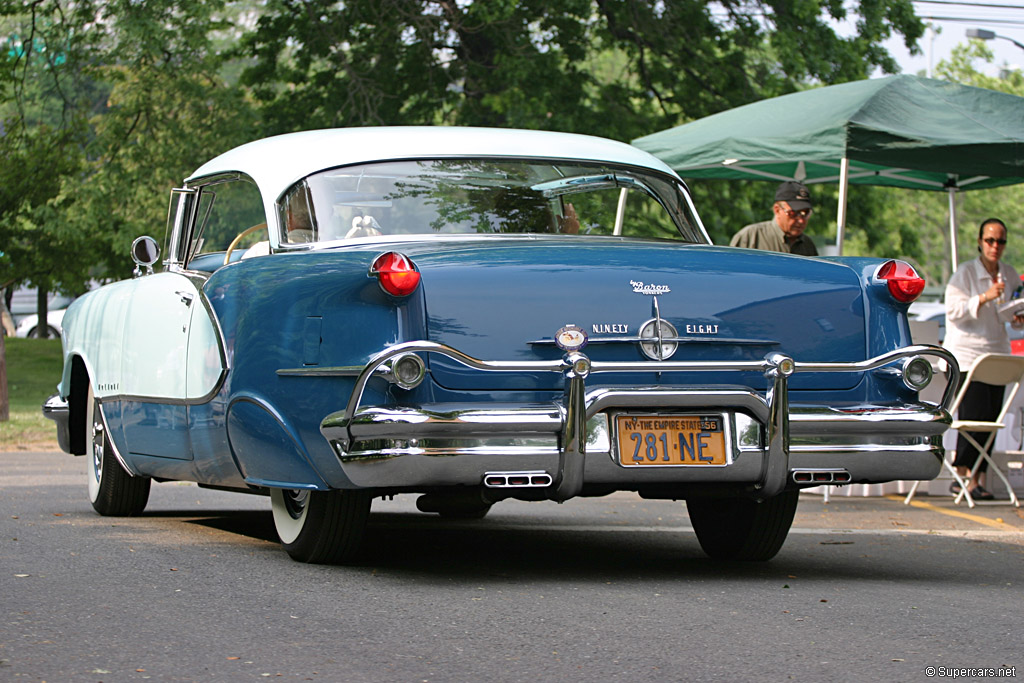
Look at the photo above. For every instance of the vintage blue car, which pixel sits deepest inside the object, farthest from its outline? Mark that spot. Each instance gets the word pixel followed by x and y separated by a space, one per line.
pixel 474 315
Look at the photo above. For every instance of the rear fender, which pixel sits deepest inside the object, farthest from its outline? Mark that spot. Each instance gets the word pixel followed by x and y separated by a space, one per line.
pixel 266 449
pixel 886 318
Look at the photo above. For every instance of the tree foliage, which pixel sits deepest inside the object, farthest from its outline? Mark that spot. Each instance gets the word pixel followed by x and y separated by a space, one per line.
pixel 140 103
pixel 42 119
pixel 615 68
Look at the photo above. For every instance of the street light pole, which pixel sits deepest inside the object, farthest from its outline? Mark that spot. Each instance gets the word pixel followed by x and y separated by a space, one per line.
pixel 985 34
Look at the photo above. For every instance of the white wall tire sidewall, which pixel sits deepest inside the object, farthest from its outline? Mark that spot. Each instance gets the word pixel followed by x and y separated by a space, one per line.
pixel 288 527
pixel 95 475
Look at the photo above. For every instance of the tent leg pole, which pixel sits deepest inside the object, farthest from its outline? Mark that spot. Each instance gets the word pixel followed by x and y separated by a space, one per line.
pixel 844 181
pixel 952 230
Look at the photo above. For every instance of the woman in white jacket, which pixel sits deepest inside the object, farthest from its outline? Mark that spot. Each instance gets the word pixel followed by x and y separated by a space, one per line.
pixel 974 327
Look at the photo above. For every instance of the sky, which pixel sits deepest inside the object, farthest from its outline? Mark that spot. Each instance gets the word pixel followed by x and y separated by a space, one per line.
pixel 952 19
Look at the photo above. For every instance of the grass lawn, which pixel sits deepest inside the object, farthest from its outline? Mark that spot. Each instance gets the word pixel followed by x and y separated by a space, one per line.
pixel 33 371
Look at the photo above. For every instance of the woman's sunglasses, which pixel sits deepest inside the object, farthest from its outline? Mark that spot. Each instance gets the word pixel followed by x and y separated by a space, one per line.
pixel 992 241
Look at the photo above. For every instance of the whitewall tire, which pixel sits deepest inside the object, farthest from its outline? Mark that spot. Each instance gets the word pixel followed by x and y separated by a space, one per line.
pixel 322 527
pixel 112 490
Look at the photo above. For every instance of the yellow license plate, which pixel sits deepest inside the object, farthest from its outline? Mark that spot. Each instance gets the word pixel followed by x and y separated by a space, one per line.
pixel 671 440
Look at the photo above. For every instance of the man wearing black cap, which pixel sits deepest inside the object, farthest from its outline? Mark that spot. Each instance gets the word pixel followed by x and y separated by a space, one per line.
pixel 785 232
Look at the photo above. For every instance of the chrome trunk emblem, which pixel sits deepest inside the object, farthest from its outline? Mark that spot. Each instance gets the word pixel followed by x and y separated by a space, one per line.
pixel 661 334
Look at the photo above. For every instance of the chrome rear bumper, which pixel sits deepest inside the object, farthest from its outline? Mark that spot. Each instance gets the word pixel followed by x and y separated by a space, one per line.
pixel 776 446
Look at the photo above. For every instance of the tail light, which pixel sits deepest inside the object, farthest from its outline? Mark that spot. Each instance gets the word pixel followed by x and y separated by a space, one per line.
pixel 396 273
pixel 904 283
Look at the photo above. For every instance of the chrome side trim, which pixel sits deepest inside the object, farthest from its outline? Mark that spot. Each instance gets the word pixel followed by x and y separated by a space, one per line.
pixel 322 371
pixel 445 419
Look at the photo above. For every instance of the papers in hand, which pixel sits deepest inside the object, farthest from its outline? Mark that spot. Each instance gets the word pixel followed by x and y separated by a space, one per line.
pixel 1010 309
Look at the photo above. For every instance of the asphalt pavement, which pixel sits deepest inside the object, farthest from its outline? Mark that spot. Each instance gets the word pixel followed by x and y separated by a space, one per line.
pixel 606 589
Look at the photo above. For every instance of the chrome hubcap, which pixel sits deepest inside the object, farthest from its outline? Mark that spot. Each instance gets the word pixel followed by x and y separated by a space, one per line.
pixel 295 503
pixel 97 448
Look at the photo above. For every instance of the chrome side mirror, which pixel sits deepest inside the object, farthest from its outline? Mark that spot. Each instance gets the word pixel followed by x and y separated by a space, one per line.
pixel 145 252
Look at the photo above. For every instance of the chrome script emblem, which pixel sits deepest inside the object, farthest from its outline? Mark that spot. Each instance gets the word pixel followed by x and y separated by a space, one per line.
pixel 651 290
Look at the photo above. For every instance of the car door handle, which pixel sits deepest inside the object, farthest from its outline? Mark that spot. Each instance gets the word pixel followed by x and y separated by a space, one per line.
pixel 186 298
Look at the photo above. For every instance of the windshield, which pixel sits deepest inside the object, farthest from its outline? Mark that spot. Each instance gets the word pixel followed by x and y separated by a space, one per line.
pixel 479 196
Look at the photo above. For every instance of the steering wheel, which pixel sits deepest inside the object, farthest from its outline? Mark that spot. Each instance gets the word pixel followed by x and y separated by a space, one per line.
pixel 238 238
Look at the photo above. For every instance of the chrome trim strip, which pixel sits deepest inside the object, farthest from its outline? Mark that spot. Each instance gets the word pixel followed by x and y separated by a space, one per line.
pixel 681 340
pixel 160 400
pixel 599 400
pixel 454 420
pixel 325 371
pixel 331 371
pixel 859 448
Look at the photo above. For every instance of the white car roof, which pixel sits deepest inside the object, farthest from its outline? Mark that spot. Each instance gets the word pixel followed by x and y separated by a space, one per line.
pixel 276 163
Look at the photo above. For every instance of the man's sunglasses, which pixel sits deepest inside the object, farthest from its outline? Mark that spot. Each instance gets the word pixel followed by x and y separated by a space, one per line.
pixel 990 241
pixel 802 213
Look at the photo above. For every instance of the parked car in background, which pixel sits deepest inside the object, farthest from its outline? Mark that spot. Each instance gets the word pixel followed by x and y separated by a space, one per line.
pixel 475 315
pixel 29 324
pixel 26 317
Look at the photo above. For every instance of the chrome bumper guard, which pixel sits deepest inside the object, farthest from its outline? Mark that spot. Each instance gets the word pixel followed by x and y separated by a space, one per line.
pixel 374 434
pixel 55 408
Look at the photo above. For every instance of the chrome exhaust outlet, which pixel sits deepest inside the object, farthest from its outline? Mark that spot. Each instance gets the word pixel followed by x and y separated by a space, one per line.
pixel 821 476
pixel 517 480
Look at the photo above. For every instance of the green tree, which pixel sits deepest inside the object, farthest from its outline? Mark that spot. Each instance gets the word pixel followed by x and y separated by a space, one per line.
pixel 105 106
pixel 616 68
pixel 42 88
pixel 168 110
pixel 613 68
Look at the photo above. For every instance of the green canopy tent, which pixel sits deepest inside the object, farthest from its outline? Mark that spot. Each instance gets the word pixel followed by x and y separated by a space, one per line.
pixel 899 131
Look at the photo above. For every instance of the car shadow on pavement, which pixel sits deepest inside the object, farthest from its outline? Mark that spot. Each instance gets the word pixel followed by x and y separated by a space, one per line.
pixel 430 548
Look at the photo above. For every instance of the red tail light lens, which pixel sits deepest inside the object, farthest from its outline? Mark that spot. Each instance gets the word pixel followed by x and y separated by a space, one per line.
pixel 904 283
pixel 396 273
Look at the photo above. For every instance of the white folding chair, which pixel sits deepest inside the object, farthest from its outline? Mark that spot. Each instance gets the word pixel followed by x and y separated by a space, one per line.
pixel 991 368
